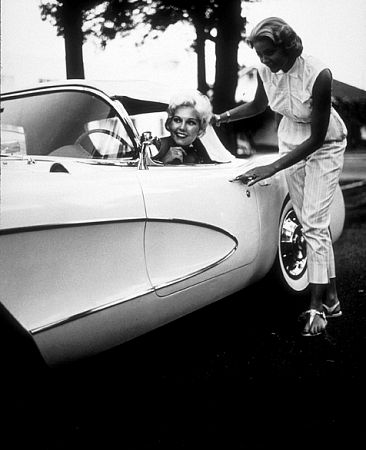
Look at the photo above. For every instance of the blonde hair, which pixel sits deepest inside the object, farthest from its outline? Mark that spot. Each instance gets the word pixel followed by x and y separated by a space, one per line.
pixel 194 99
pixel 280 33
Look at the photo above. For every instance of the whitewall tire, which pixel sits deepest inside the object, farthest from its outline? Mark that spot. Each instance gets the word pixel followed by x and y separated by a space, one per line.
pixel 291 261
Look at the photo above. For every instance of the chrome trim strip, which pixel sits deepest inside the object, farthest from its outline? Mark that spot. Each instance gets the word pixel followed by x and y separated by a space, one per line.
pixel 50 226
pixel 78 316
pixel 123 300
pixel 55 87
pixel 148 291
pixel 195 222
pixel 198 272
pixel 210 266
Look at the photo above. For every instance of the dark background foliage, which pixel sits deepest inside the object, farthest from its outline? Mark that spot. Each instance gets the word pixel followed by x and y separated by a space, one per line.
pixel 219 21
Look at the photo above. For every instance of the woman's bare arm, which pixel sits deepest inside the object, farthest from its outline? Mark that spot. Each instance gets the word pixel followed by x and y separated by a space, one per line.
pixel 321 98
pixel 250 109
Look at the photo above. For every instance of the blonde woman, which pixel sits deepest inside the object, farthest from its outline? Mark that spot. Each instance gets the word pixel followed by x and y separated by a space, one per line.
pixel 189 113
pixel 312 140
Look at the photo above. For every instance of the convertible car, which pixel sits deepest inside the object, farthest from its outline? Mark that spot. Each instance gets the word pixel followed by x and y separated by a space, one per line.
pixel 100 243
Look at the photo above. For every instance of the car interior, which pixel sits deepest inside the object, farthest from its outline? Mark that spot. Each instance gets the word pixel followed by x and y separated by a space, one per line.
pixel 78 124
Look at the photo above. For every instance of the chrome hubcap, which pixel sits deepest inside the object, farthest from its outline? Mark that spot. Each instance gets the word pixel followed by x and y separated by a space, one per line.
pixel 292 246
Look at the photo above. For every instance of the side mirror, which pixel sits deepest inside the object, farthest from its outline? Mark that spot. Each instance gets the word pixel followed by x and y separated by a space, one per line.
pixel 149 149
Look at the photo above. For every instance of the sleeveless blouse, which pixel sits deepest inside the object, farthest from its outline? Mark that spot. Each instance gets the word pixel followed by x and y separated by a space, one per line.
pixel 290 94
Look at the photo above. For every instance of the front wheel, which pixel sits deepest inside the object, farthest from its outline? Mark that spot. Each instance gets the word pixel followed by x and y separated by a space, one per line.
pixel 291 260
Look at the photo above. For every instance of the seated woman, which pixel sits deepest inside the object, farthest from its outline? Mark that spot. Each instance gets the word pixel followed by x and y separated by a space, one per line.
pixel 189 113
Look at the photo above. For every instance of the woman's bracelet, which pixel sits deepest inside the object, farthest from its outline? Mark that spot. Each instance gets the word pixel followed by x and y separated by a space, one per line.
pixel 228 115
pixel 226 119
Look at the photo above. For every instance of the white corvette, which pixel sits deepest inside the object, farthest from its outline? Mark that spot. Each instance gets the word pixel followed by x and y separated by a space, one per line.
pixel 100 244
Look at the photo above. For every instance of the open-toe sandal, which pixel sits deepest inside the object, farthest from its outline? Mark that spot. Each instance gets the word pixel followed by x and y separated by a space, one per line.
pixel 310 315
pixel 332 311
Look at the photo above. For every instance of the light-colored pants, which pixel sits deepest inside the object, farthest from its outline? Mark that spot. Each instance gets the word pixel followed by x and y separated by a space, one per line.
pixel 312 183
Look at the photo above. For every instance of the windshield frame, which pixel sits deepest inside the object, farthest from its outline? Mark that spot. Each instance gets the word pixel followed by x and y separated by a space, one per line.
pixel 114 105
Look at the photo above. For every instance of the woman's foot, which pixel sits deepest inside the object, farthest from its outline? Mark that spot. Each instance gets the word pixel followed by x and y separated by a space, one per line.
pixel 331 305
pixel 332 310
pixel 316 322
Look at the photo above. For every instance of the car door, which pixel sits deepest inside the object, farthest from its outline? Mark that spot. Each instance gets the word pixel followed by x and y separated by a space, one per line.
pixel 68 263
pixel 199 225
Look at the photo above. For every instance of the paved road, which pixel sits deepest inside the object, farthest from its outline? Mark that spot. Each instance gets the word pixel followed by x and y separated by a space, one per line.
pixel 354 166
pixel 235 375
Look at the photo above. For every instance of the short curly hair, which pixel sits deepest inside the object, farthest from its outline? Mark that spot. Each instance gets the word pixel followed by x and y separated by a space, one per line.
pixel 280 33
pixel 194 99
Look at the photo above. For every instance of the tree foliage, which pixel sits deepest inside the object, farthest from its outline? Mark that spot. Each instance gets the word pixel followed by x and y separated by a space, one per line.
pixel 69 17
pixel 157 16
pixel 219 21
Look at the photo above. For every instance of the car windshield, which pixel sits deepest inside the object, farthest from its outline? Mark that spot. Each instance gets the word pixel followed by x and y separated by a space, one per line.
pixel 74 124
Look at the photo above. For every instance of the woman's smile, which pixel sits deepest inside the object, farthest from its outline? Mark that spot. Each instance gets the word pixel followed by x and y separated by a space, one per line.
pixel 185 125
pixel 180 134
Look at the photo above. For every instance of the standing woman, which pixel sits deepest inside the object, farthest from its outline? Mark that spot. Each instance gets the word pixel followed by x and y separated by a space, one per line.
pixel 311 139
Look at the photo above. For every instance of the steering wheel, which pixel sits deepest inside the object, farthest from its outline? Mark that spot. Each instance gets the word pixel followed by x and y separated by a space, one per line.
pixel 99 130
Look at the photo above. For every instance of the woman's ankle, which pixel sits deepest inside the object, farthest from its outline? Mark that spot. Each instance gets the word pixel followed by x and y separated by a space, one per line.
pixel 331 296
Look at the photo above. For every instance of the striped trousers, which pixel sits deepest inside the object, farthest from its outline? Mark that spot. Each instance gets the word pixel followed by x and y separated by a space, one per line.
pixel 312 183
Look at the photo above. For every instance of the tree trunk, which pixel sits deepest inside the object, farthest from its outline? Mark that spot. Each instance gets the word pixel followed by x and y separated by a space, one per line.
pixel 73 21
pixel 201 56
pixel 229 27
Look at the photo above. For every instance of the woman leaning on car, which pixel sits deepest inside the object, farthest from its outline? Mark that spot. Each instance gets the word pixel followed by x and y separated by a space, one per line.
pixel 311 139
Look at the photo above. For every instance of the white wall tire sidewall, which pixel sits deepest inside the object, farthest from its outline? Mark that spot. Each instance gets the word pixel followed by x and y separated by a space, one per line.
pixel 297 285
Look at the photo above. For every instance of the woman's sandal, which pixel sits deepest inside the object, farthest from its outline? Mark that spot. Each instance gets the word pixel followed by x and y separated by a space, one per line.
pixel 332 311
pixel 312 313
